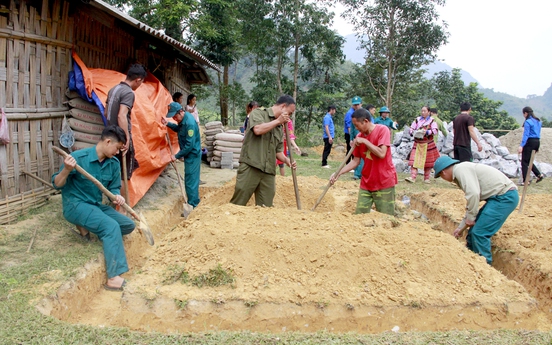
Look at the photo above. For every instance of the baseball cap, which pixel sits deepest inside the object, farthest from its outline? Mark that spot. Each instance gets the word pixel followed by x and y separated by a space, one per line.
pixel 356 100
pixel 442 163
pixel 174 108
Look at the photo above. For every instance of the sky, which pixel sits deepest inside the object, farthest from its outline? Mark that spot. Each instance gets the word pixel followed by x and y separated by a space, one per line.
pixel 505 44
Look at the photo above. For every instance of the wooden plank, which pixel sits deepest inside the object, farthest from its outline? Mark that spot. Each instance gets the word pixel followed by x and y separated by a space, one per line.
pixel 55 19
pixel 10 34
pixel 43 75
pixel 14 18
pixel 32 77
pixel 33 147
pixel 22 14
pixel 9 75
pixel 23 68
pixel 63 33
pixel 3 171
pixel 49 69
pixel 43 17
pixel 3 54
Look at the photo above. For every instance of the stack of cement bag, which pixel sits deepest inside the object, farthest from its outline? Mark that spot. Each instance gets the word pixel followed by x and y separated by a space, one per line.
pixel 230 142
pixel 211 129
pixel 85 121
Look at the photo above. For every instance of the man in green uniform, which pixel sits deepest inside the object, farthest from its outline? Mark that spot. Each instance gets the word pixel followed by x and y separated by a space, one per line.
pixel 82 200
pixel 385 120
pixel 480 183
pixel 261 146
pixel 440 125
pixel 189 141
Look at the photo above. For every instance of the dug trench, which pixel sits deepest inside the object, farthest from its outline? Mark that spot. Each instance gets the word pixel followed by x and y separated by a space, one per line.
pixel 298 270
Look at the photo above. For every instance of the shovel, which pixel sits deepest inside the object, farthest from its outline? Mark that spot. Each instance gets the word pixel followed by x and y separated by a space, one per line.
pixel 186 208
pixel 526 183
pixel 336 173
pixel 293 172
pixel 143 225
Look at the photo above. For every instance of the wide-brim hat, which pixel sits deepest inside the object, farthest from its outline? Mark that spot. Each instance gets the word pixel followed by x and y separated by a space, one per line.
pixel 442 163
pixel 174 108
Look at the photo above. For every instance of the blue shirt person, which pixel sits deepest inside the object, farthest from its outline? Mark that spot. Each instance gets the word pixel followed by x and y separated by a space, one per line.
pixel 328 134
pixel 82 200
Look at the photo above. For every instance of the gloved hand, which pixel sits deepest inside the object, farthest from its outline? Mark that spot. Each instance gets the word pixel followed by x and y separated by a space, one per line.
pixel 419 134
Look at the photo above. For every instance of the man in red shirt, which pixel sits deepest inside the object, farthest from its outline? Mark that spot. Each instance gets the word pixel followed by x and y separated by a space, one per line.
pixel 377 184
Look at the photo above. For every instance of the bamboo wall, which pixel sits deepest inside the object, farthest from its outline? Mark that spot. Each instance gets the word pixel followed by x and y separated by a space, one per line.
pixel 34 62
pixel 36 39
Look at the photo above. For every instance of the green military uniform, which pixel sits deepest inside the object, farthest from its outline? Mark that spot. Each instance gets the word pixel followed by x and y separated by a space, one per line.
pixel 440 126
pixel 257 170
pixel 82 206
pixel 358 169
pixel 189 140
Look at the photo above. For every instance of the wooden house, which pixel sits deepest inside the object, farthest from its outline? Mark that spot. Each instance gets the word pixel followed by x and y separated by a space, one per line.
pixel 36 40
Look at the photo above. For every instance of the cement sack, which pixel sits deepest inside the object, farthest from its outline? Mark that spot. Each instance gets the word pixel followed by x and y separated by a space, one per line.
pixel 79 145
pixel 228 149
pixel 213 131
pixel 213 124
pixel 218 153
pixel 228 143
pixel 84 105
pixel 229 137
pixel 71 94
pixel 210 138
pixel 86 137
pixel 86 116
pixel 214 164
pixel 81 126
pixel 234 131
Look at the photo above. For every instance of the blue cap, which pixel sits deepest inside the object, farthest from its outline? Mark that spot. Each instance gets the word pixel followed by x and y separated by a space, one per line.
pixel 442 163
pixel 356 100
pixel 174 108
pixel 384 109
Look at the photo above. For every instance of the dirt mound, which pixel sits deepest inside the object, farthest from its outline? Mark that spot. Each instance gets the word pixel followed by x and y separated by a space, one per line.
pixel 522 249
pixel 513 139
pixel 303 270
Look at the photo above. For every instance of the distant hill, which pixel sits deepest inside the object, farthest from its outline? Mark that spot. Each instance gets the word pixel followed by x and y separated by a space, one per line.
pixel 542 105
pixel 352 53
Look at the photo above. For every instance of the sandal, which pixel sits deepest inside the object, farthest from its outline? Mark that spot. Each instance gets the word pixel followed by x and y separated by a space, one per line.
pixel 540 178
pixel 111 288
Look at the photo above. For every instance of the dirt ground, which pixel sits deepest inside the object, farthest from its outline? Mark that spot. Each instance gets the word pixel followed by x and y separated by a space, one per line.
pixel 324 270
pixel 513 139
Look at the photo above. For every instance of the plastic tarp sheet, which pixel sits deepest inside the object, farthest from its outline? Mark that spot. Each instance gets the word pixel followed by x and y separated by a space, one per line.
pixel 148 134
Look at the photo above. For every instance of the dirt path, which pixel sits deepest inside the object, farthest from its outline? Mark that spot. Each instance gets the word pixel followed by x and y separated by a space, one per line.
pixel 307 271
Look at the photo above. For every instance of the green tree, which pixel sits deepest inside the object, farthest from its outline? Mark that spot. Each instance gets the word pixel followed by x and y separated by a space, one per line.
pixel 449 92
pixel 399 37
pixel 172 16
pixel 216 32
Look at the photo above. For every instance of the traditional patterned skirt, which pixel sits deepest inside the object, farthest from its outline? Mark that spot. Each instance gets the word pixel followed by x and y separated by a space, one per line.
pixel 431 155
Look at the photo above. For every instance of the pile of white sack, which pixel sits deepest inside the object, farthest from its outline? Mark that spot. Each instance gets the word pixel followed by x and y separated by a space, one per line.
pixel 230 141
pixel 85 121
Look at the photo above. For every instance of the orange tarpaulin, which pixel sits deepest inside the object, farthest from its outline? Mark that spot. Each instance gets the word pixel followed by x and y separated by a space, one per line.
pixel 148 134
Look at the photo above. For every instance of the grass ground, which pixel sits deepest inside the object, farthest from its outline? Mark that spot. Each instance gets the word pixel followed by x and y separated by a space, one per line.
pixel 56 256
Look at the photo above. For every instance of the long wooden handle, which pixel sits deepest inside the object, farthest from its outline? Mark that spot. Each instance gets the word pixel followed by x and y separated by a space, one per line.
pixel 526 179
pixel 293 172
pixel 48 184
pixel 177 173
pixel 125 177
pixel 98 184
pixel 336 173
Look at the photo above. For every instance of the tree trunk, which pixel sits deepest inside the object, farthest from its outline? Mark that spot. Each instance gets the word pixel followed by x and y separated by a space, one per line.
pixel 224 97
pixel 295 74
pixel 279 72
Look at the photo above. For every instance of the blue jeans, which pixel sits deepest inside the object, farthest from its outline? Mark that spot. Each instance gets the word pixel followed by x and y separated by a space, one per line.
pixel 489 220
